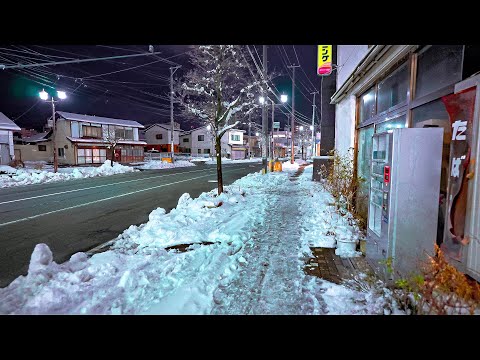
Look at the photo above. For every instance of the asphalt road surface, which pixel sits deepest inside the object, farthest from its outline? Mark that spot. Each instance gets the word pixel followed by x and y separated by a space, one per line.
pixel 78 215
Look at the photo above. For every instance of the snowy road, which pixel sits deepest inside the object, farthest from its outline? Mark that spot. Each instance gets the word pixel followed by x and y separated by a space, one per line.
pixel 80 214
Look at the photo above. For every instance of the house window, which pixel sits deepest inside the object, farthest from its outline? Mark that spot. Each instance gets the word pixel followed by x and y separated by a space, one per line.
pixel 235 137
pixel 42 147
pixel 185 139
pixel 159 136
pixel 437 67
pixel 201 137
pixel 398 122
pixel 91 156
pixel 199 151
pixel 61 152
pixel 393 90
pixel 206 151
pixel 367 105
pixel 123 133
pixel 92 132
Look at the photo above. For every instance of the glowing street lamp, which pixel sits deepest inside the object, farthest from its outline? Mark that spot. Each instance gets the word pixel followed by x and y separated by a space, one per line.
pixel 283 98
pixel 261 99
pixel 311 127
pixel 43 95
pixel 62 96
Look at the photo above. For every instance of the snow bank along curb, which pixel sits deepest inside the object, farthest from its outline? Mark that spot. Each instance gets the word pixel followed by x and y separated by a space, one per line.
pixel 138 276
pixel 29 176
pixel 157 164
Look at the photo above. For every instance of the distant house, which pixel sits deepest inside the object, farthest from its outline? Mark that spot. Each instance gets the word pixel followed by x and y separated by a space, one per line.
pixel 7 127
pixel 86 139
pixel 37 147
pixel 200 142
pixel 157 137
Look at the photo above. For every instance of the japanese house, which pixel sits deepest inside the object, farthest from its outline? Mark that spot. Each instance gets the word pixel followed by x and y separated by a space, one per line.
pixel 7 127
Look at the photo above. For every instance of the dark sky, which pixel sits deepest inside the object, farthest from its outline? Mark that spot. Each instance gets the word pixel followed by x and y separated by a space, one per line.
pixel 139 94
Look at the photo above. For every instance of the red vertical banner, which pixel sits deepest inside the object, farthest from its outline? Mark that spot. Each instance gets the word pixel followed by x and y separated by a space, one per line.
pixel 460 108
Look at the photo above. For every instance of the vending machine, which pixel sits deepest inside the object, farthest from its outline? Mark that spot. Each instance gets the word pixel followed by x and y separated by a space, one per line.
pixel 404 197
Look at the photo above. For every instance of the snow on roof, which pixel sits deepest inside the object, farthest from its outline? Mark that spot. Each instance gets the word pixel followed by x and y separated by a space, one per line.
pixel 7 124
pixel 165 126
pixel 99 119
pixel 37 137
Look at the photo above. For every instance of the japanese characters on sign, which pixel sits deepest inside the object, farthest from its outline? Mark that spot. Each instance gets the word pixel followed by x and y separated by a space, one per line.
pixel 460 108
pixel 324 65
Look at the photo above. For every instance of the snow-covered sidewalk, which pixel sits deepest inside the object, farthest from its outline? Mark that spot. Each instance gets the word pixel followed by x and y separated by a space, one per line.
pixel 247 257
pixel 29 175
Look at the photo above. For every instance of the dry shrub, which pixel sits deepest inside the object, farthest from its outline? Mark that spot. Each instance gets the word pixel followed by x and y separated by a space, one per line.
pixel 339 179
pixel 440 289
pixel 16 164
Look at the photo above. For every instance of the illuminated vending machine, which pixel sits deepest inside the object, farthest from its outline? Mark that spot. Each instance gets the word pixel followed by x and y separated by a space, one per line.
pixel 404 197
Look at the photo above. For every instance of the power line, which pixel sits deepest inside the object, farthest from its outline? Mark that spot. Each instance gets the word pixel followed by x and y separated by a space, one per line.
pixel 313 86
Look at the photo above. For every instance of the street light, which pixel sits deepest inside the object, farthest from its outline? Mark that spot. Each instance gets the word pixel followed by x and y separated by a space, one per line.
pixel 62 96
pixel 261 99
pixel 283 98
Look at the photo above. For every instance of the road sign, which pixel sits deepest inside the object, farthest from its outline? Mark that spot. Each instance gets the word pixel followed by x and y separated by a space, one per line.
pixel 276 124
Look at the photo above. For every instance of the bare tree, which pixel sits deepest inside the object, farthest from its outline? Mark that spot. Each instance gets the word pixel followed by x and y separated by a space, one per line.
pixel 110 137
pixel 218 86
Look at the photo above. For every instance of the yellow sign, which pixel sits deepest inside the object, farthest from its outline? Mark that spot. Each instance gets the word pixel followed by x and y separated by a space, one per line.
pixel 324 65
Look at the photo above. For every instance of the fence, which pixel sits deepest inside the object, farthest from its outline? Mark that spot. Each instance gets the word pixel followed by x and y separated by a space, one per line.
pixel 178 156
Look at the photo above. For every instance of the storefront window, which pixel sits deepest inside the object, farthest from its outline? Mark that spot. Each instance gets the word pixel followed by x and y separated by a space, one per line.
pixel 91 156
pixel 437 67
pixel 363 168
pixel 393 90
pixel 398 122
pixel 367 105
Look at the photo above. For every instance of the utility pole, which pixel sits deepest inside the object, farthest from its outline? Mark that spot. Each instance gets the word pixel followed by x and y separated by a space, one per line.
pixel 313 123
pixel 249 135
pixel 54 125
pixel 293 113
pixel 172 141
pixel 264 115
pixel 271 142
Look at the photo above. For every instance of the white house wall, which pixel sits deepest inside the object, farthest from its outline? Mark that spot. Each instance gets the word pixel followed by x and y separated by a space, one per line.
pixel 207 144
pixel 345 124
pixel 150 136
pixel 348 58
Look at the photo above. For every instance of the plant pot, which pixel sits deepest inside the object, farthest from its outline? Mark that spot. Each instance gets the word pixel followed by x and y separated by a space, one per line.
pixel 346 245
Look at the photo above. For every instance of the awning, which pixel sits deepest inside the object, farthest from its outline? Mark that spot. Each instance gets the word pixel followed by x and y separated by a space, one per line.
pixel 103 142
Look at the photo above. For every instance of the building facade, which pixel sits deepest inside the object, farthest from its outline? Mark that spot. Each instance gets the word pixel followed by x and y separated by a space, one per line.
pixel 201 142
pixel 86 139
pixel 157 137
pixel 381 87
pixel 7 127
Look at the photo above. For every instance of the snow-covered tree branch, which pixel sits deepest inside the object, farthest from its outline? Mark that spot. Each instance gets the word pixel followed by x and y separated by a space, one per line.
pixel 219 86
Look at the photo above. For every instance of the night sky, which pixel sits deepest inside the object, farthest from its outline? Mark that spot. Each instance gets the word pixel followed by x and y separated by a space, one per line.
pixel 139 94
